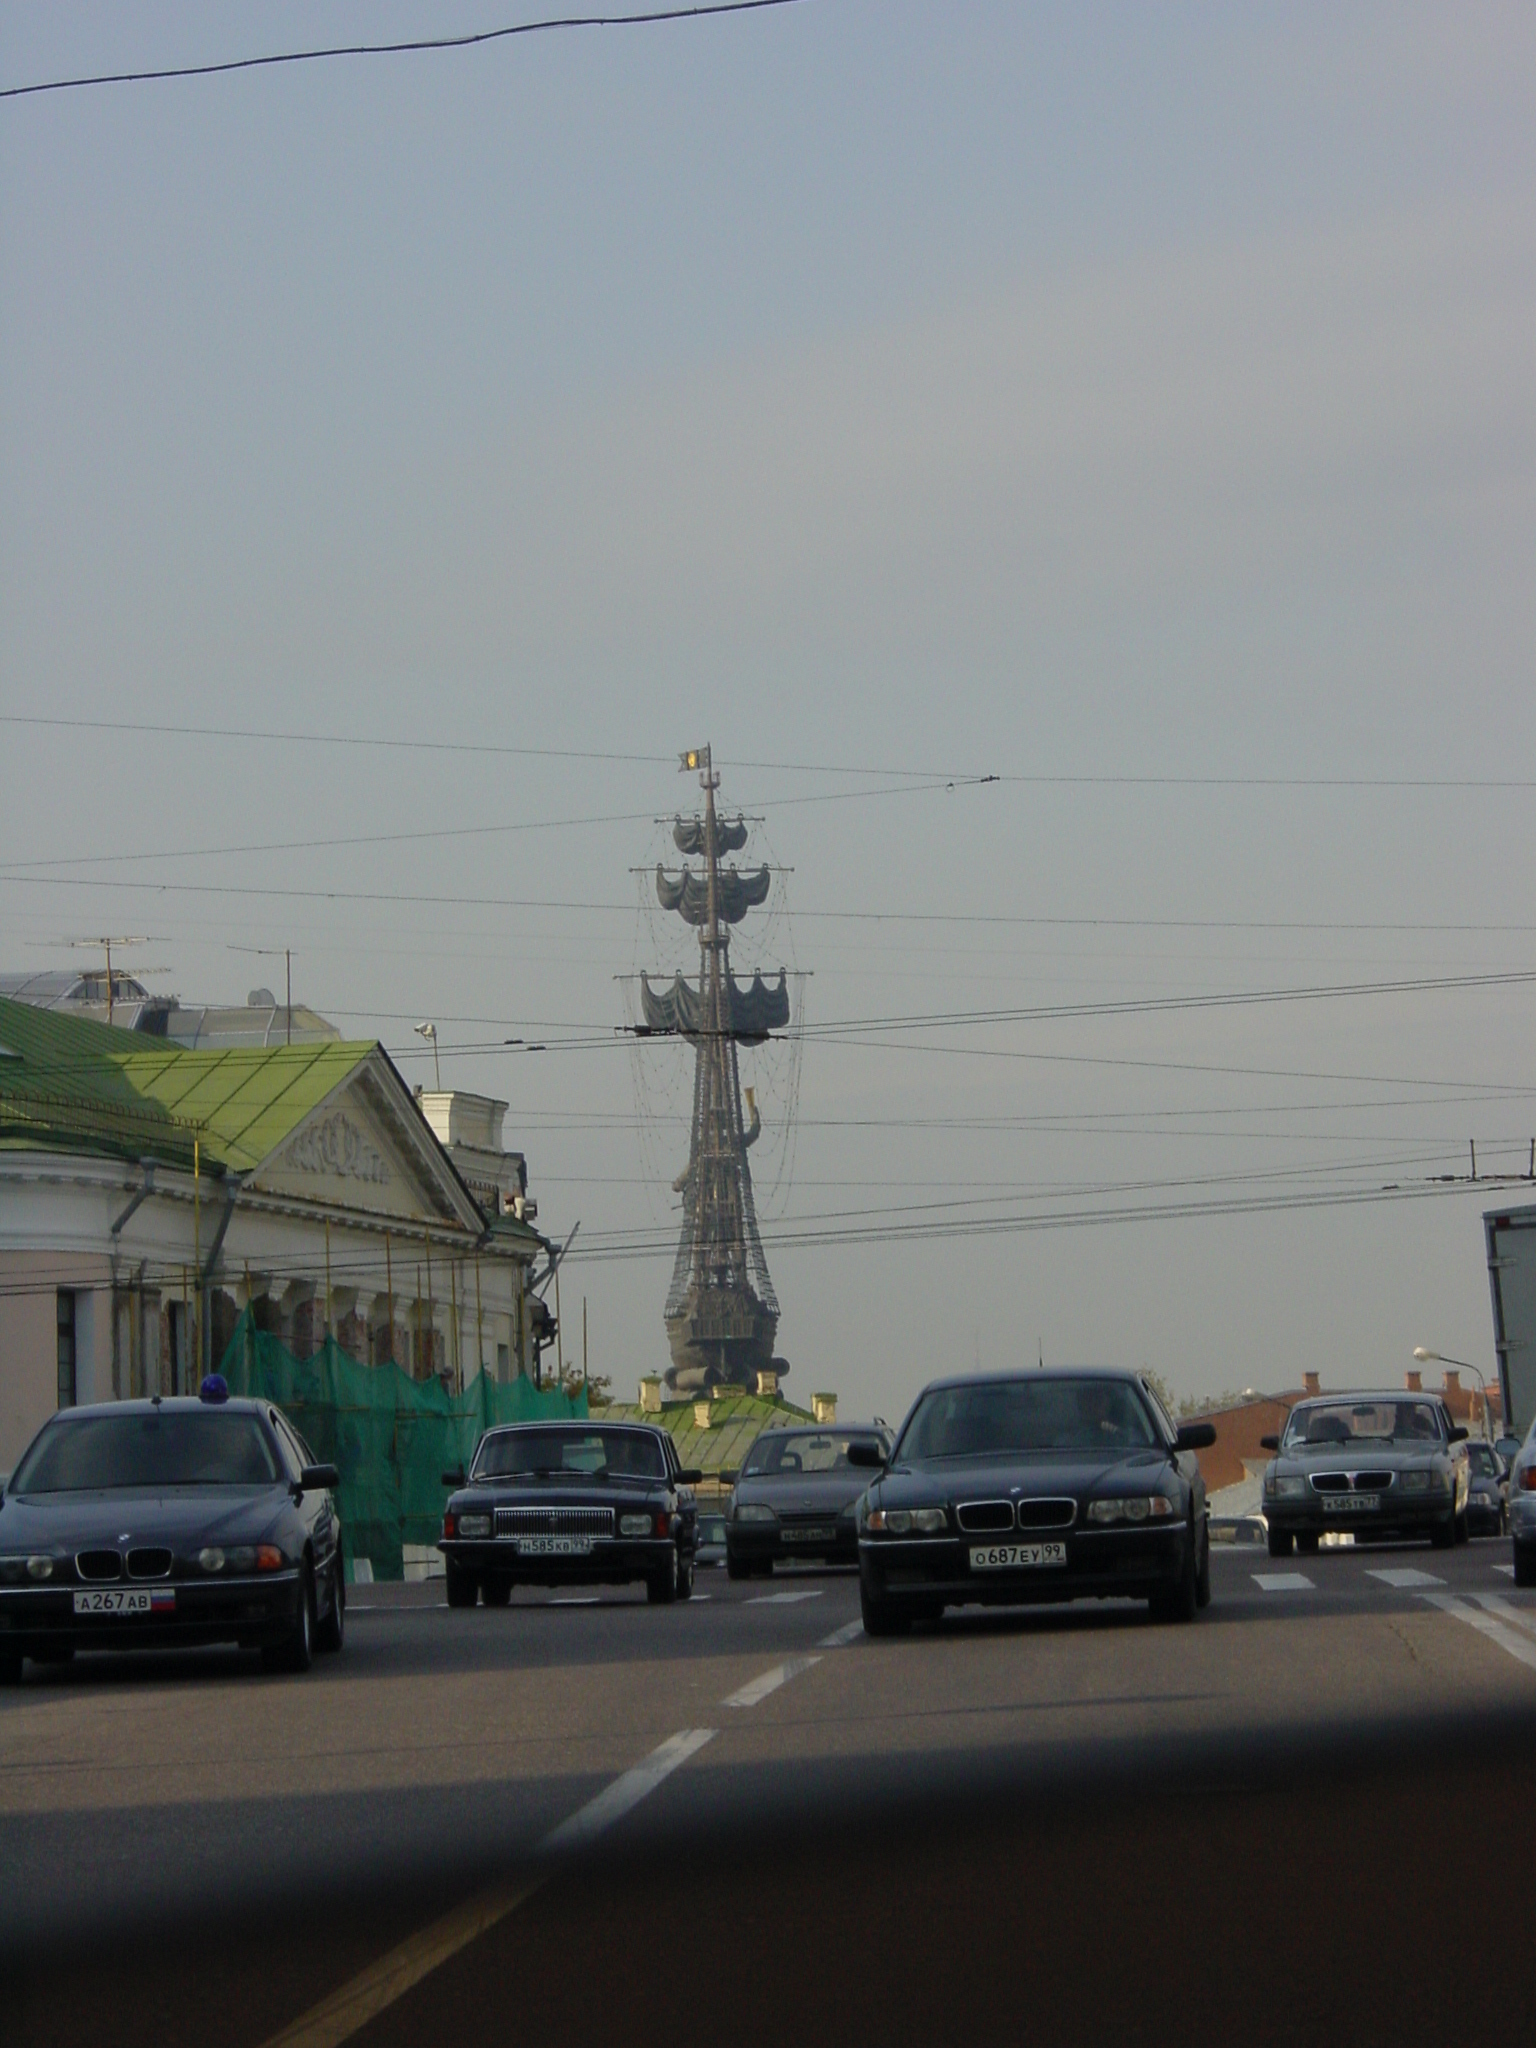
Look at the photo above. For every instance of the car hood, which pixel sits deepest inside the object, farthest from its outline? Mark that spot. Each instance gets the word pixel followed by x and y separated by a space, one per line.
pixel 546 1493
pixel 173 1517
pixel 1363 1457
pixel 814 1493
pixel 1049 1473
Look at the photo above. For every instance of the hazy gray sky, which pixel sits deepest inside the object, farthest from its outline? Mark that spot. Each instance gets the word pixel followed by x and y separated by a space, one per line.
pixel 1034 391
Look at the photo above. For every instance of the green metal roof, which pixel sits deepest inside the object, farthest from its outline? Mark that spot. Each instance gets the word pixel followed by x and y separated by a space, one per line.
pixel 69 1084
pixel 735 1423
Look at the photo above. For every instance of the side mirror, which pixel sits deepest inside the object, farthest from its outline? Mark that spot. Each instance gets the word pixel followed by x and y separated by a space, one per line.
pixel 1269 1443
pixel 1508 1448
pixel 728 1475
pixel 1458 1434
pixel 455 1477
pixel 317 1478
pixel 688 1475
pixel 1195 1436
pixel 866 1451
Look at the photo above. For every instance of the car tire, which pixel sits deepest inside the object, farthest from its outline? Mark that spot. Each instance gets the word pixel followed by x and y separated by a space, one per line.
pixel 880 1619
pixel 54 1653
pixel 685 1579
pixel 661 1586
pixel 737 1567
pixel 497 1592
pixel 1179 1602
pixel 1307 1542
pixel 10 1668
pixel 463 1586
pixel 1462 1527
pixel 330 1632
pixel 1281 1542
pixel 1203 1581
pixel 297 1650
pixel 1525 1564
pixel 1443 1534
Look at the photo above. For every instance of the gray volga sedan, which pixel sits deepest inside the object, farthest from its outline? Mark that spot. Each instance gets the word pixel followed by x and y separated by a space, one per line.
pixel 795 1498
pixel 1378 1464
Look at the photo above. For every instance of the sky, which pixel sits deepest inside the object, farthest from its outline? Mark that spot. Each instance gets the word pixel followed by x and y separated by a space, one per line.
pixel 1132 405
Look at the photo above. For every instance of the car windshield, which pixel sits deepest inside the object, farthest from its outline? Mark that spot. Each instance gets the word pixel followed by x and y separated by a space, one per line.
pixel 1483 1461
pixel 1350 1422
pixel 791 1450
pixel 208 1447
pixel 1035 1414
pixel 605 1453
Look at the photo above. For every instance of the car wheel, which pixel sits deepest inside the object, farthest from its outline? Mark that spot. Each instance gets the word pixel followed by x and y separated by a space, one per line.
pixel 1462 1527
pixel 1525 1564
pixel 497 1592
pixel 10 1668
pixel 332 1627
pixel 54 1653
pixel 1179 1602
pixel 463 1586
pixel 737 1567
pixel 1307 1541
pixel 685 1579
pixel 661 1586
pixel 1443 1535
pixel 1279 1542
pixel 879 1618
pixel 1203 1582
pixel 297 1651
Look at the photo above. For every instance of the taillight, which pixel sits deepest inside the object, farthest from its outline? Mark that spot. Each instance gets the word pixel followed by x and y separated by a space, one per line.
pixel 1528 1479
pixel 450 1525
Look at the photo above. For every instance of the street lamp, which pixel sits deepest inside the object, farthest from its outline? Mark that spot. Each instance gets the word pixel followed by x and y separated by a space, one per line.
pixel 1427 1357
pixel 430 1031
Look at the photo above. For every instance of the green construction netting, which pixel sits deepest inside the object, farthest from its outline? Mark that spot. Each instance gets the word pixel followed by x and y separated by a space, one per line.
pixel 390 1436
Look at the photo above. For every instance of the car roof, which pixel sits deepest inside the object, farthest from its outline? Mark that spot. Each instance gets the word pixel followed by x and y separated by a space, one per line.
pixel 165 1404
pixel 1129 1374
pixel 825 1429
pixel 579 1422
pixel 1369 1394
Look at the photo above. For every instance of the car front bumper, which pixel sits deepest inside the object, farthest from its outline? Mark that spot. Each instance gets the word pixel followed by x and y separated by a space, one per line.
pixel 778 1543
pixel 1101 1564
pixel 1398 1515
pixel 253 1612
pixel 611 1560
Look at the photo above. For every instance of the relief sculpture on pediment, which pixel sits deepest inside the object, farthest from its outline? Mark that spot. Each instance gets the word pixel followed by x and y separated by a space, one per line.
pixel 337 1147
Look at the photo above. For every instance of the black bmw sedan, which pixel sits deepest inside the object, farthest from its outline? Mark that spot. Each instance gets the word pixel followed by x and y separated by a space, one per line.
pixel 1034 1486
pixel 570 1503
pixel 151 1524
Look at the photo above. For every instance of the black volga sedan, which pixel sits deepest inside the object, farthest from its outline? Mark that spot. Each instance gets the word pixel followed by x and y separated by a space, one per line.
pixel 1379 1464
pixel 570 1503
pixel 1034 1486
pixel 795 1497
pixel 151 1524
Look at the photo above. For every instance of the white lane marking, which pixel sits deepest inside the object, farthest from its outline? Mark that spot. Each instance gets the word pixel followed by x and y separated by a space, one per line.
pixel 576 1600
pixel 1404 1575
pixel 1505 1608
pixel 1507 1569
pixel 615 1800
pixel 757 1689
pixel 784 1599
pixel 840 1638
pixel 1284 1582
pixel 337 2018
pixel 1520 1647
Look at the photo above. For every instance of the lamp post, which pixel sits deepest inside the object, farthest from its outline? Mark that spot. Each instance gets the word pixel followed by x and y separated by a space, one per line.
pixel 1426 1357
pixel 430 1031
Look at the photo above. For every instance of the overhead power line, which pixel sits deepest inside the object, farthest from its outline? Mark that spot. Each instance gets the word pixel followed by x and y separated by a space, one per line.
pixel 416 46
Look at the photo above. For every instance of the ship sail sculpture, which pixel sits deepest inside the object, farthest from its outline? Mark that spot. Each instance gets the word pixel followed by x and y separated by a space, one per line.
pixel 721 1313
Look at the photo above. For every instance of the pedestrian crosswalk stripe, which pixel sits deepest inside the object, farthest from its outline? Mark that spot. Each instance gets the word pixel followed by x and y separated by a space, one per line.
pixel 1507 1569
pixel 1404 1575
pixel 1284 1582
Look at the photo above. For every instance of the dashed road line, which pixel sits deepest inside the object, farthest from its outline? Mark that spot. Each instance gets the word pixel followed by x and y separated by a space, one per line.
pixel 1507 1569
pixel 840 1638
pixel 337 2018
pixel 1284 1582
pixel 784 1599
pixel 1403 1576
pixel 574 1600
pixel 1506 1610
pixel 756 1690
pixel 1518 1645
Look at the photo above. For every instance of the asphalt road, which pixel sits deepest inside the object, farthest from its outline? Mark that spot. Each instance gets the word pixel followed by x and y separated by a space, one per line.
pixel 757 1823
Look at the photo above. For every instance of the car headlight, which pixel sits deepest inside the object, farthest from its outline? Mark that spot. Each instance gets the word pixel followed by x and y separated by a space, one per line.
pixel 1421 1482
pixel 1135 1507
pixel 13 1568
pixel 474 1525
pixel 1285 1486
pixel 39 1567
pixel 634 1525
pixel 907 1521
pixel 755 1511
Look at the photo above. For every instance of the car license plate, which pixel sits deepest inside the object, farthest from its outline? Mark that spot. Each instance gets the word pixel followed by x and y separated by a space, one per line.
pixel 1015 1557
pixel 810 1535
pixel 554 1546
pixel 1351 1503
pixel 123 1600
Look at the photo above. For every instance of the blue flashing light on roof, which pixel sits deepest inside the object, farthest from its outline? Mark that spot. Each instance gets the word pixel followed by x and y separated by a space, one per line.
pixel 215 1388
